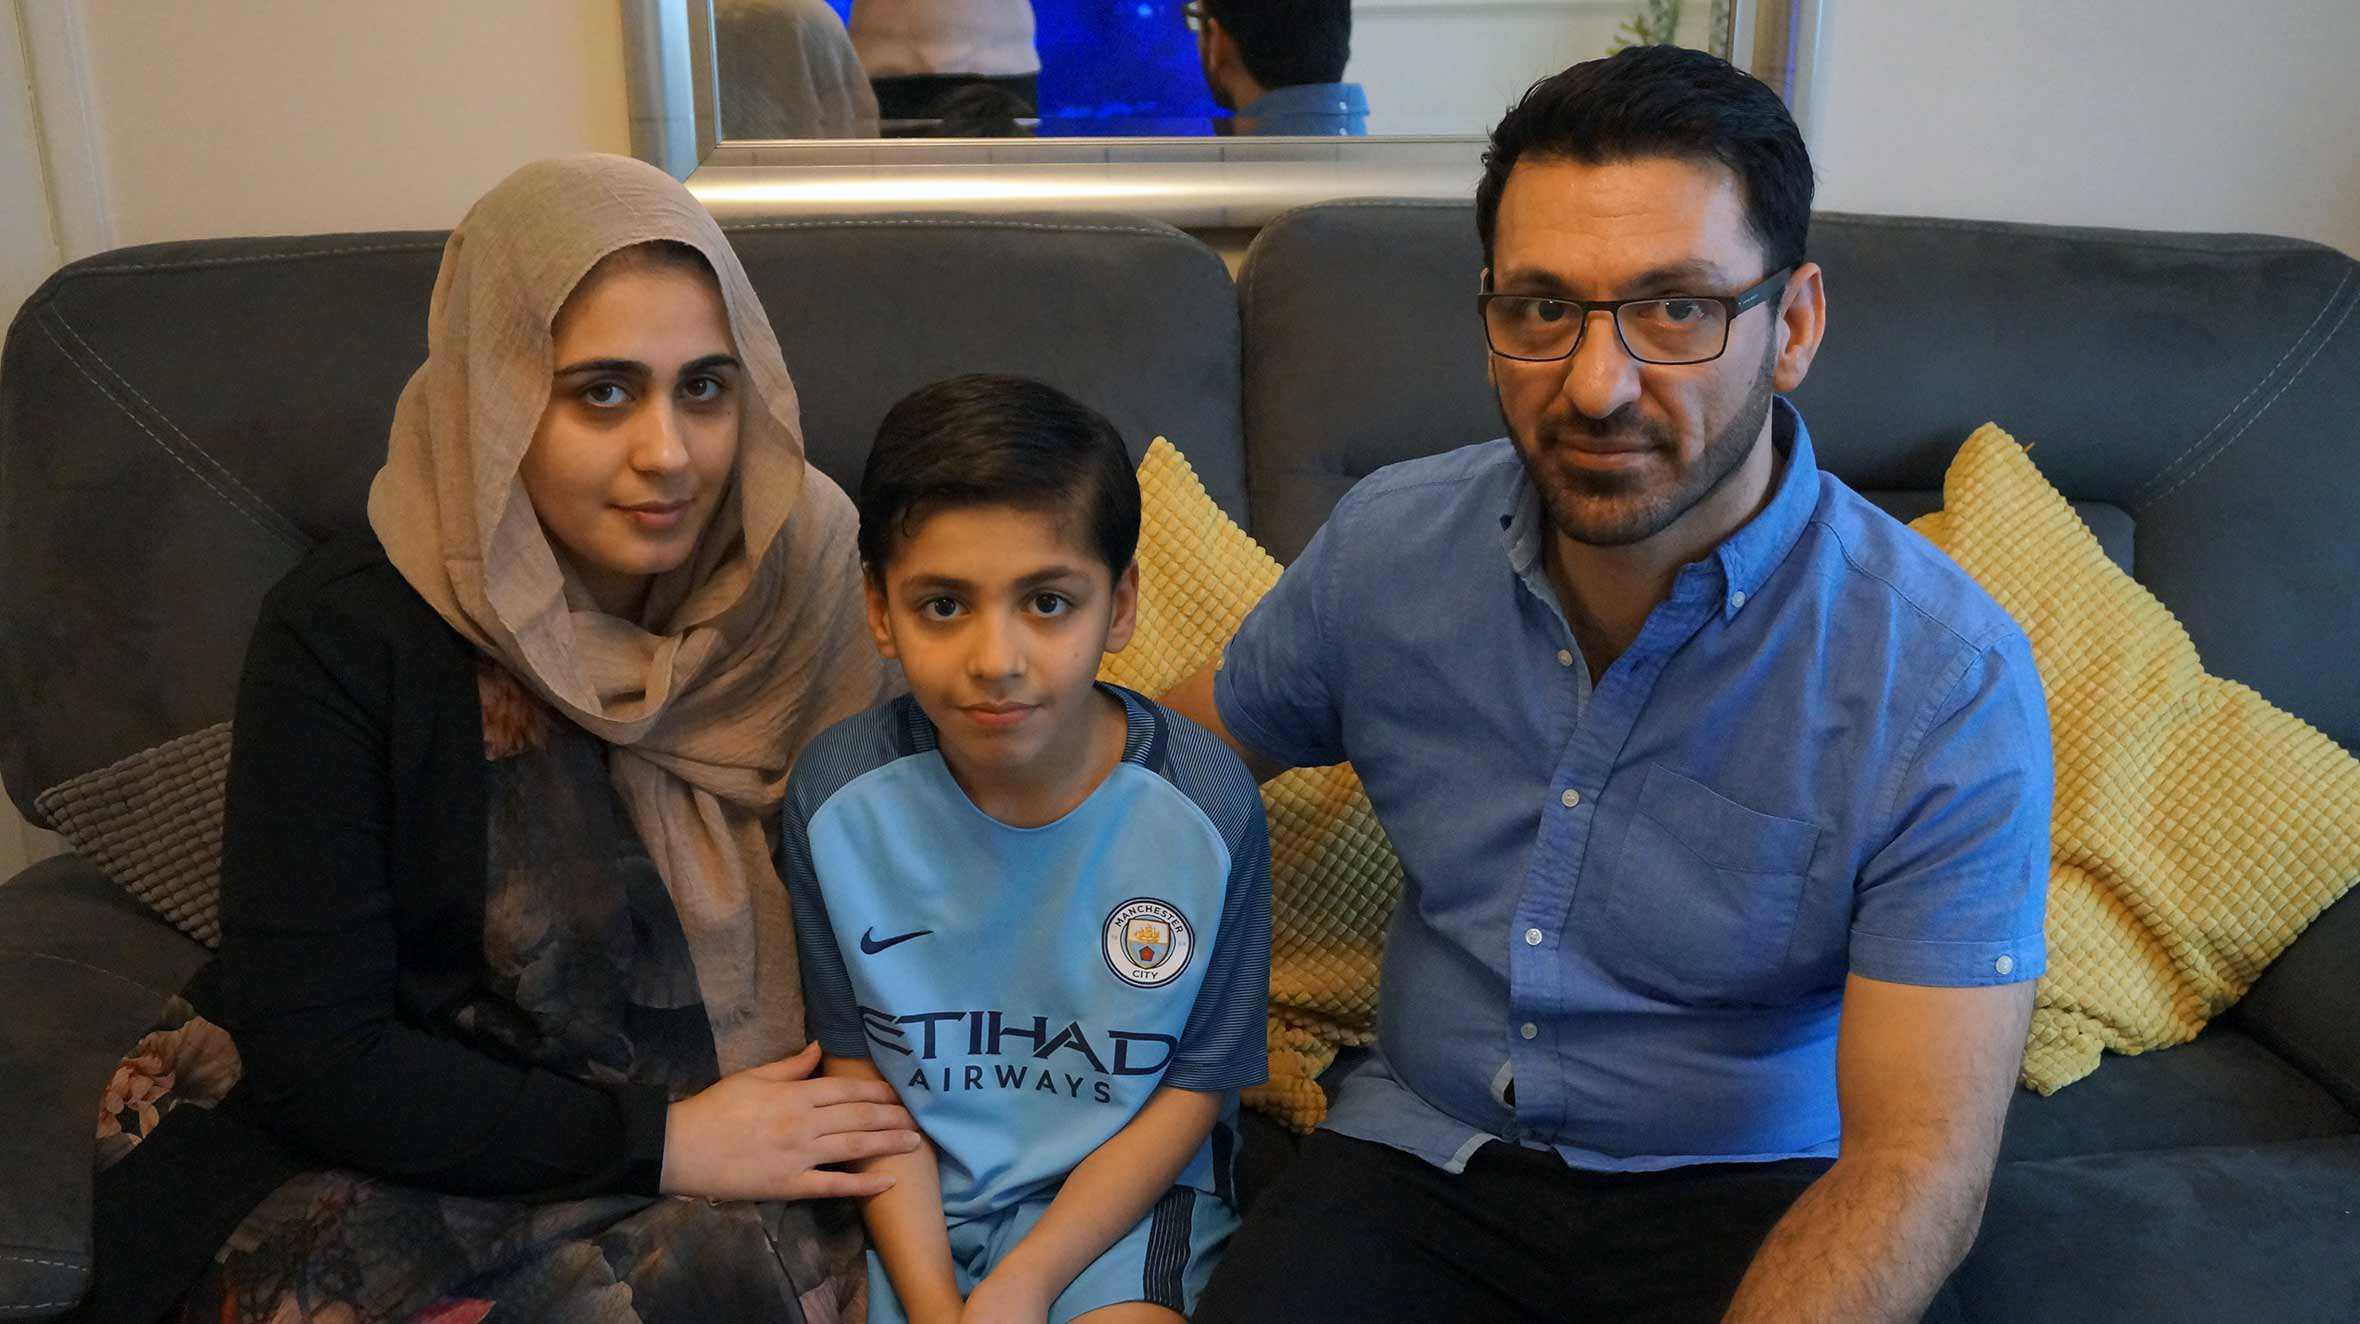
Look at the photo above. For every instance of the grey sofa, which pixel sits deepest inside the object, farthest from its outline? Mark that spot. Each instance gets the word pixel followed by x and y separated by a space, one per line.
pixel 178 423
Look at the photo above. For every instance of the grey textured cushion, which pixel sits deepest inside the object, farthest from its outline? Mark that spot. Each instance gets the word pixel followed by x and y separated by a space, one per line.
pixel 152 822
pixel 83 971
pixel 179 423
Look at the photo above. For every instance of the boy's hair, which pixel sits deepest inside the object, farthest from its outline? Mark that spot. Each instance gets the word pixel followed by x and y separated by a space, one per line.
pixel 989 439
pixel 1285 43
pixel 1662 101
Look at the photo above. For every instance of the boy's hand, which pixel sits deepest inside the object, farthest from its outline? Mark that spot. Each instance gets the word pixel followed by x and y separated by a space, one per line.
pixel 1008 1298
pixel 768 1132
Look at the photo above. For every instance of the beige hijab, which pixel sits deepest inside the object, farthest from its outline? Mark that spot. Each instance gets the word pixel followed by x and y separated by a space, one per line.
pixel 741 655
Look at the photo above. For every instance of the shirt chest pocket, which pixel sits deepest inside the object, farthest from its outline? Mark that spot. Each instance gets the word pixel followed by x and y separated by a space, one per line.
pixel 1704 894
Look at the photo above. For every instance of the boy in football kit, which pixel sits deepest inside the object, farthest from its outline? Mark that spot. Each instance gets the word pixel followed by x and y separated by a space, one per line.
pixel 1036 905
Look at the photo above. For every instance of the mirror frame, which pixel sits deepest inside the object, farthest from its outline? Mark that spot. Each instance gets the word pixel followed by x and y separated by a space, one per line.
pixel 1194 183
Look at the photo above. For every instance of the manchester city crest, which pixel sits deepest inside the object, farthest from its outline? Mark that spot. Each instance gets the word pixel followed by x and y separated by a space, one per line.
pixel 1147 942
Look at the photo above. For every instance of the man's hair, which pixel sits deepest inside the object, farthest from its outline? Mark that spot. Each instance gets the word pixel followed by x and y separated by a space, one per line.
pixel 1286 42
pixel 1662 101
pixel 988 439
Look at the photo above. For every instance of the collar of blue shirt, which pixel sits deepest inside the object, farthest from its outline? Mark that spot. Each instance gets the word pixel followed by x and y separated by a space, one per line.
pixel 1307 108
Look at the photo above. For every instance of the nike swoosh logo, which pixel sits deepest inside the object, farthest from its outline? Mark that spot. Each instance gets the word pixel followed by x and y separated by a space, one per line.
pixel 870 944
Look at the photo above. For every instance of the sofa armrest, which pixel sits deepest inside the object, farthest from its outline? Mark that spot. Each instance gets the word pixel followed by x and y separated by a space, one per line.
pixel 84 969
pixel 2306 1006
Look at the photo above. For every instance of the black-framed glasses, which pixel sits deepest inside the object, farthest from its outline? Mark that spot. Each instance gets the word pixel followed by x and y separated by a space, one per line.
pixel 1194 16
pixel 1681 328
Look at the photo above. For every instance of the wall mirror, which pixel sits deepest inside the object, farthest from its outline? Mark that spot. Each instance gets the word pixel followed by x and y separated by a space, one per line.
pixel 1205 113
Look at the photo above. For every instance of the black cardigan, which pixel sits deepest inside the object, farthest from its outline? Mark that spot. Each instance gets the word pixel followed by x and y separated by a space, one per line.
pixel 352 899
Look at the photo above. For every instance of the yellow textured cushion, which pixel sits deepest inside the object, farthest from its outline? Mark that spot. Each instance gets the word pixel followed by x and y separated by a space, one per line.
pixel 2197 829
pixel 1333 876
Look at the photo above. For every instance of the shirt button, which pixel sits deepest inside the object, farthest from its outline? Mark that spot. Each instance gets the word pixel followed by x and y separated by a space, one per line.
pixel 1571 798
pixel 2004 964
pixel 1737 599
pixel 1532 938
pixel 1565 657
pixel 1529 1030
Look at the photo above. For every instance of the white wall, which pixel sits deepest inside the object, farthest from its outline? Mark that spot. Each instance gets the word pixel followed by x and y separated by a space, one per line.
pixel 237 117
pixel 28 250
pixel 2158 114
pixel 1452 66
pixel 27 253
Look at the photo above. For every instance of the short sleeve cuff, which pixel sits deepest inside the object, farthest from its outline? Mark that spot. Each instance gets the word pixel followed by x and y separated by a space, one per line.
pixel 839 1041
pixel 1217 1077
pixel 1936 964
pixel 1249 732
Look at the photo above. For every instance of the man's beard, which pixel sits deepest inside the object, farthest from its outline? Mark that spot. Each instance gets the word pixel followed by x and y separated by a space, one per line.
pixel 1618 508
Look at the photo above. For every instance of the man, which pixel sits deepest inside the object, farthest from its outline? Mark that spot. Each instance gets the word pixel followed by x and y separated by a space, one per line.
pixel 1722 799
pixel 1278 65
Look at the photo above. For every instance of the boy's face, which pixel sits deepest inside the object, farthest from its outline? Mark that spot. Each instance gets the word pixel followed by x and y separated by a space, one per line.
pixel 1000 621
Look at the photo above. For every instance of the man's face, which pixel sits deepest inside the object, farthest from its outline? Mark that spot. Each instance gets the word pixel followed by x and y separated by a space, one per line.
pixel 1620 449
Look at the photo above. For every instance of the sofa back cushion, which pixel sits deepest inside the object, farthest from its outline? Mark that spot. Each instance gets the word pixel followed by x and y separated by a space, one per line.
pixel 2195 395
pixel 180 423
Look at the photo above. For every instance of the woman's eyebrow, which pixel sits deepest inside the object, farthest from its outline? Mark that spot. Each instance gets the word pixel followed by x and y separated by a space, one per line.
pixel 625 367
pixel 710 363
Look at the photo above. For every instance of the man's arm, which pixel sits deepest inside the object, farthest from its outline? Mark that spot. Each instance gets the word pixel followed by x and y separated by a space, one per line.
pixel 1193 699
pixel 1923 1077
pixel 906 1223
pixel 1106 1195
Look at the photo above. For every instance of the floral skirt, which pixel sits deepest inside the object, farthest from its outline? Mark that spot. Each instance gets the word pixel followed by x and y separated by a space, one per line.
pixel 342 1248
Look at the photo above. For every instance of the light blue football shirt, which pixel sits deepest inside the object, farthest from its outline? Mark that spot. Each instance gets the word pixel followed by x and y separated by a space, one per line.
pixel 1026 989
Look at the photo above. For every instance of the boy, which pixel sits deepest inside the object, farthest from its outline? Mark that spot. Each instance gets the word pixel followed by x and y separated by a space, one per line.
pixel 1037 906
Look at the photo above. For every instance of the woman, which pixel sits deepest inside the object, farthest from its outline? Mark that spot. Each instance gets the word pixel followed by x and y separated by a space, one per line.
pixel 505 954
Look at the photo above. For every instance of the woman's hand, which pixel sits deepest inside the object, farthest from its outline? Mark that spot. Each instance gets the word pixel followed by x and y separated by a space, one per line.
pixel 768 1132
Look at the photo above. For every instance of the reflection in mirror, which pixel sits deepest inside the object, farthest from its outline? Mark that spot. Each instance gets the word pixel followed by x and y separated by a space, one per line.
pixel 835 69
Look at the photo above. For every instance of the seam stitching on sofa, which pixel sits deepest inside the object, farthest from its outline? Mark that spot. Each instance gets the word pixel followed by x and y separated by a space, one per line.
pixel 254 498
pixel 1422 204
pixel 14 1258
pixel 244 259
pixel 1182 239
pixel 39 1305
pixel 83 965
pixel 1066 227
pixel 178 458
pixel 2256 416
pixel 2164 474
pixel 2273 245
pixel 2078 234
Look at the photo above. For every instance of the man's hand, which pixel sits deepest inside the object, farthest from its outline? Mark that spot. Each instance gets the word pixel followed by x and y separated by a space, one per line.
pixel 1923 1077
pixel 768 1132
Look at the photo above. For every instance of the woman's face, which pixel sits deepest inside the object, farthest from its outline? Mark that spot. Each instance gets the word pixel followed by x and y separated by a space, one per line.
pixel 637 444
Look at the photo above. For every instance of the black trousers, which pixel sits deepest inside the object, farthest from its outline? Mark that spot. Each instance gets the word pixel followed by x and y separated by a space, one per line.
pixel 1360 1231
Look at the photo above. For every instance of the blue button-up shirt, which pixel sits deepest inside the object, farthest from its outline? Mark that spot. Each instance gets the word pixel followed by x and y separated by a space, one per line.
pixel 1630 908
pixel 1306 110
